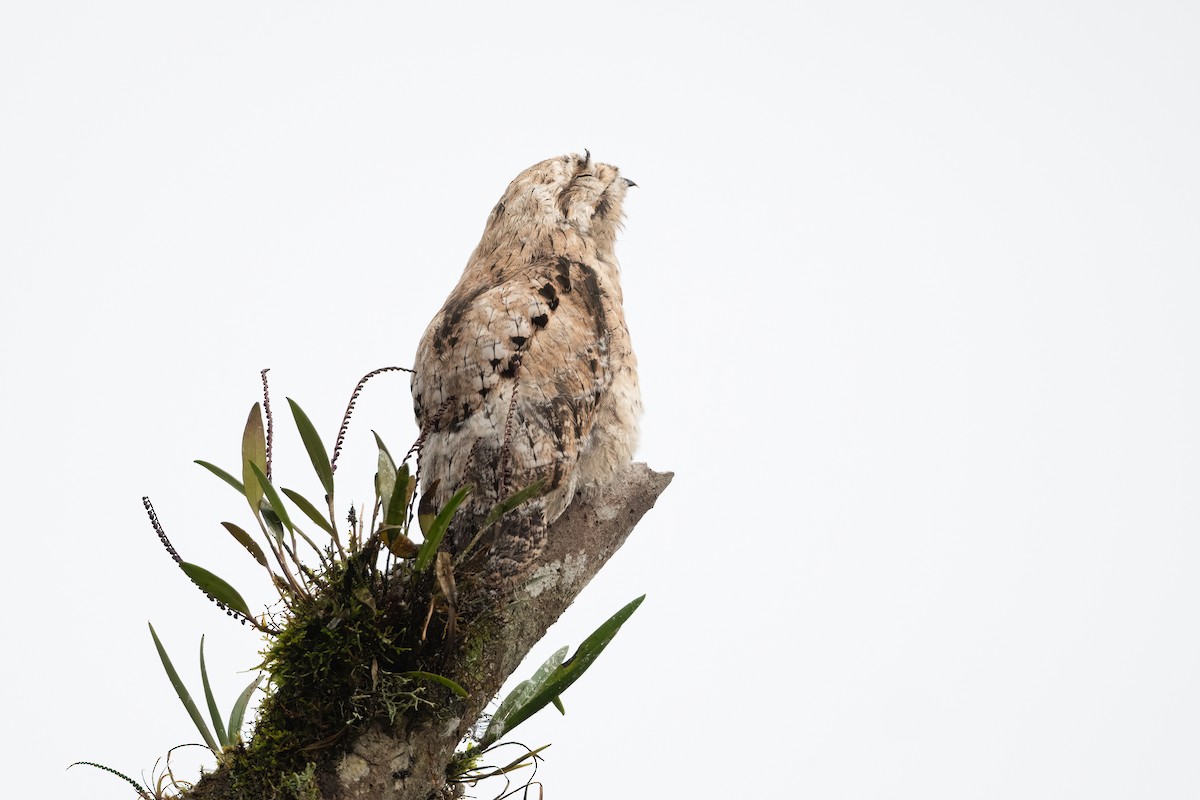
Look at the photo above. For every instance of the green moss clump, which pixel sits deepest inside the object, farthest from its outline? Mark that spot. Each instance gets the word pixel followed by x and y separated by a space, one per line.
pixel 337 667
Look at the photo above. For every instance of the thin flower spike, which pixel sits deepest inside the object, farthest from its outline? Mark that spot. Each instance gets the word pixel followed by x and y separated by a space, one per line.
pixel 136 786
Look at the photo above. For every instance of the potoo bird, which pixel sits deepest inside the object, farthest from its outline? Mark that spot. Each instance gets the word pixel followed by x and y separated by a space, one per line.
pixel 527 373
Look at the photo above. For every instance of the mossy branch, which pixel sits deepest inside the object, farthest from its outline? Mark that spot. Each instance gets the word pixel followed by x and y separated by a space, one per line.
pixel 409 759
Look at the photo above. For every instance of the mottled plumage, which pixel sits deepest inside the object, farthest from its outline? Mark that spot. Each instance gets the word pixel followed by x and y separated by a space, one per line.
pixel 527 372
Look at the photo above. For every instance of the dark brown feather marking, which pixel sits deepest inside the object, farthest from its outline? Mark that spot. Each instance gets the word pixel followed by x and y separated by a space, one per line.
pixel 550 294
pixel 593 299
pixel 563 266
pixel 452 314
pixel 510 371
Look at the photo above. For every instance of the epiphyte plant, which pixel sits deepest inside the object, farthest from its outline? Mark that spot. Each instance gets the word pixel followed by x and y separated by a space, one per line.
pixel 350 596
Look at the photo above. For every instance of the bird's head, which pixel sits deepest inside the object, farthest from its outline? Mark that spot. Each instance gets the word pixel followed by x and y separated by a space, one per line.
pixel 567 193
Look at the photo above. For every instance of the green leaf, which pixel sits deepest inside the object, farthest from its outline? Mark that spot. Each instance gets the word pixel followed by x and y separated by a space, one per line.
pixel 521 694
pixel 220 591
pixel 312 443
pixel 254 454
pixel 239 710
pixel 245 541
pixel 397 507
pixel 516 698
pixel 222 734
pixel 271 519
pixel 592 646
pixel 562 677
pixel 440 679
pixel 184 697
pixel 394 487
pixel 385 475
pixel 437 529
pixel 309 510
pixel 223 475
pixel 272 496
pixel 383 451
pixel 559 705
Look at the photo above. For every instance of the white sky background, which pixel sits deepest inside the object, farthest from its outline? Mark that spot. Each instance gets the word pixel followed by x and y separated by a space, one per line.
pixel 914 291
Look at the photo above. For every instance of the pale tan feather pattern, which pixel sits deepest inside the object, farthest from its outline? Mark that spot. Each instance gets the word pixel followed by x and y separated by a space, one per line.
pixel 527 373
